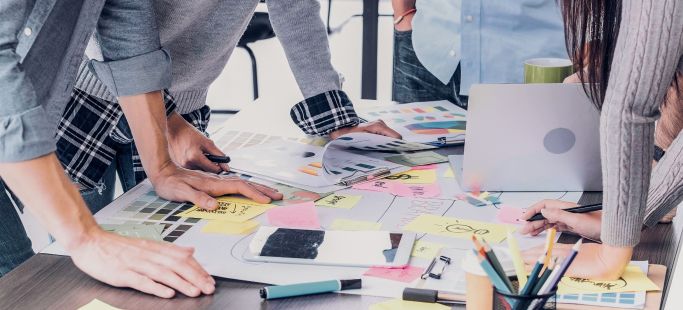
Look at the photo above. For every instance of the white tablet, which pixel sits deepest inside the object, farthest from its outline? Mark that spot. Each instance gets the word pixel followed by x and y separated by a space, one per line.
pixel 331 247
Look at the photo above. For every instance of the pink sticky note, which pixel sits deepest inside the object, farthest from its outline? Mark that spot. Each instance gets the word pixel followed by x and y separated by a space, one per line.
pixel 425 167
pixel 303 215
pixel 510 215
pixel 376 186
pixel 416 190
pixel 408 274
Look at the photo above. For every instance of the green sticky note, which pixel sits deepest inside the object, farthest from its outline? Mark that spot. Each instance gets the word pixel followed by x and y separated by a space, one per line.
pixel 418 159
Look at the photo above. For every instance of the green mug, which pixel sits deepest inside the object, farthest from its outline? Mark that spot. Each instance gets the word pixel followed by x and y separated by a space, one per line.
pixel 547 70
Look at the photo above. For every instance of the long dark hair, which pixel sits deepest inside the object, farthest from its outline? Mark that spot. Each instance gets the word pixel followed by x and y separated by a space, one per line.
pixel 591 29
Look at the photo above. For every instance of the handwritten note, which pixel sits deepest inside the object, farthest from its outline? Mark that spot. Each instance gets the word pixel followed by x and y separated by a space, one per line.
pixel 457 228
pixel 426 249
pixel 339 201
pixel 407 275
pixel 633 280
pixel 97 304
pixel 399 304
pixel 229 209
pixel 345 224
pixel 230 228
pixel 416 190
pixel 375 186
pixel 415 177
pixel 303 215
pixel 510 215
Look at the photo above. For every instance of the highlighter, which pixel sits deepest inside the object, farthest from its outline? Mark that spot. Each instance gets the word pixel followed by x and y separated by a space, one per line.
pixel 301 289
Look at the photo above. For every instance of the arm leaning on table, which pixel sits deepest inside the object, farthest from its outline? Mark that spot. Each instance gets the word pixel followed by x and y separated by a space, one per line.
pixel 326 109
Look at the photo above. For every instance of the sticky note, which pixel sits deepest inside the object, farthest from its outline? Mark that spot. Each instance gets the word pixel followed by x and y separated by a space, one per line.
pixel 230 228
pixel 418 159
pixel 343 201
pixel 510 215
pixel 399 304
pixel 375 186
pixel 457 228
pixel 415 177
pixel 407 275
pixel 97 304
pixel 633 280
pixel 345 224
pixel 303 215
pixel 426 249
pixel 416 190
pixel 425 167
pixel 229 209
pixel 449 174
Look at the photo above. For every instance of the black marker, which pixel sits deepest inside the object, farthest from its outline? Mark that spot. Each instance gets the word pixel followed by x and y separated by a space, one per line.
pixel 580 209
pixel 218 159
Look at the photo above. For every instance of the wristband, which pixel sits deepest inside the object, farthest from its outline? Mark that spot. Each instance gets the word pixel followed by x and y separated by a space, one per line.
pixel 400 17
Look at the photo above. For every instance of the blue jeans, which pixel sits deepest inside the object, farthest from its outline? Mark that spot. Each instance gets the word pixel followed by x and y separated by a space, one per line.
pixel 412 82
pixel 15 246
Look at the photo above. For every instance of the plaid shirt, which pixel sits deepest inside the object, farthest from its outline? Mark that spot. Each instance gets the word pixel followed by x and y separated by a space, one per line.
pixel 89 131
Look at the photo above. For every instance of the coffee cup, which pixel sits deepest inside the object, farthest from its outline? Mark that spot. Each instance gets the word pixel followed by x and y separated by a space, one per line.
pixel 547 70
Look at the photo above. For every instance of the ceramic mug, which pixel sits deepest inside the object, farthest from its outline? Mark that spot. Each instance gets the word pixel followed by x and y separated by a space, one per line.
pixel 547 70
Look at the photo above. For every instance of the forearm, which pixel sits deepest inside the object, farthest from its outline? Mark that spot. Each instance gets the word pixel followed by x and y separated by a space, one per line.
pixel 146 117
pixel 400 6
pixel 44 189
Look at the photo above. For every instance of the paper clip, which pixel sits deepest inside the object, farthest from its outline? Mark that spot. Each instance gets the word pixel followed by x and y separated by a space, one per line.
pixel 443 261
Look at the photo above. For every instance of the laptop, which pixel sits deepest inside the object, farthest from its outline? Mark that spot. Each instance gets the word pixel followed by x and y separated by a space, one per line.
pixel 530 137
pixel 675 282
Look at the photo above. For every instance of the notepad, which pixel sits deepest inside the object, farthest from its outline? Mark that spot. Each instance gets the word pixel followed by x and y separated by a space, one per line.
pixel 230 228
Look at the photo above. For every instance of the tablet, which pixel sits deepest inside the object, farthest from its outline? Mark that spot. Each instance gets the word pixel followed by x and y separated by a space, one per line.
pixel 331 247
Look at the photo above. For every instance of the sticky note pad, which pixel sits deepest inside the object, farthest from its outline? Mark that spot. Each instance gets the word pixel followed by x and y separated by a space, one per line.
pixel 426 249
pixel 399 304
pixel 633 280
pixel 303 215
pixel 229 209
pixel 230 228
pixel 97 304
pixel 510 215
pixel 457 228
pixel 344 224
pixel 415 177
pixel 416 190
pixel 407 275
pixel 343 201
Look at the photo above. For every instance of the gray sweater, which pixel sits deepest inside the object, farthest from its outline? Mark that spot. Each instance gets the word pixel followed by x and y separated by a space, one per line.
pixel 202 34
pixel 649 51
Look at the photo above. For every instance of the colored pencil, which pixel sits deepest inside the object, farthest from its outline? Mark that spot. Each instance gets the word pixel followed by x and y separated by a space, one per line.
pixel 578 209
pixel 554 281
pixel 549 243
pixel 543 278
pixel 493 260
pixel 495 277
pixel 533 276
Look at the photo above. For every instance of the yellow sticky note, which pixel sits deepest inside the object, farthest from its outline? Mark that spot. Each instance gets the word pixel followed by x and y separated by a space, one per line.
pixel 457 228
pixel 97 304
pixel 415 177
pixel 339 201
pixel 230 228
pixel 344 224
pixel 229 209
pixel 426 249
pixel 399 304
pixel 633 280
pixel 517 259
pixel 449 174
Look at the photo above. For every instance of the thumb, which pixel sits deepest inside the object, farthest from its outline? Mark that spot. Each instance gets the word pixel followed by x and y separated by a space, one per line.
pixel 555 215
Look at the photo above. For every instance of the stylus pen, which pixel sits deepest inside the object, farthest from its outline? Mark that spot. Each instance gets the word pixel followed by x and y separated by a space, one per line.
pixel 218 159
pixel 301 289
pixel 579 209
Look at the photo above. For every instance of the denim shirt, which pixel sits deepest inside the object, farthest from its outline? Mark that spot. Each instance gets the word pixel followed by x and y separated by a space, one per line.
pixel 41 46
pixel 490 39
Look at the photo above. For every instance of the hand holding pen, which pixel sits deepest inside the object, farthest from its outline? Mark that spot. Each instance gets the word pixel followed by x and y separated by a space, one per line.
pixel 565 217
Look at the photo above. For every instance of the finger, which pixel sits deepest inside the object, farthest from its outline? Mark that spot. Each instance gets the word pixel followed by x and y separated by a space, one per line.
pixel 221 187
pixel 270 192
pixel 533 226
pixel 201 162
pixel 382 129
pixel 198 197
pixel 180 261
pixel 535 208
pixel 561 216
pixel 164 275
pixel 144 284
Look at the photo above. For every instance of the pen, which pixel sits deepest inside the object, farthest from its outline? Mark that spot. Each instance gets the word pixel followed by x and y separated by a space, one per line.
pixel 578 209
pixel 301 289
pixel 218 159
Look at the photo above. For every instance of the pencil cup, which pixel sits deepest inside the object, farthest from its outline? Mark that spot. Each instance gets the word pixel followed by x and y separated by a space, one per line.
pixel 507 301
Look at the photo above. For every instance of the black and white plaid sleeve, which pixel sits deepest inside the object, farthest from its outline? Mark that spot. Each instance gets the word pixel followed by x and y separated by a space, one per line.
pixel 324 113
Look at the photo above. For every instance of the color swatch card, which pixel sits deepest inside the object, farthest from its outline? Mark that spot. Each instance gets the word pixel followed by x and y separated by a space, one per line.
pixel 438 122
pixel 229 209
pixel 151 232
pixel 457 228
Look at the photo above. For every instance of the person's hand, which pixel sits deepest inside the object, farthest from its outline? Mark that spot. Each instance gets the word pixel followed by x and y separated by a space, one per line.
pixel 376 127
pixel 584 224
pixel 187 146
pixel 179 184
pixel 594 261
pixel 153 267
